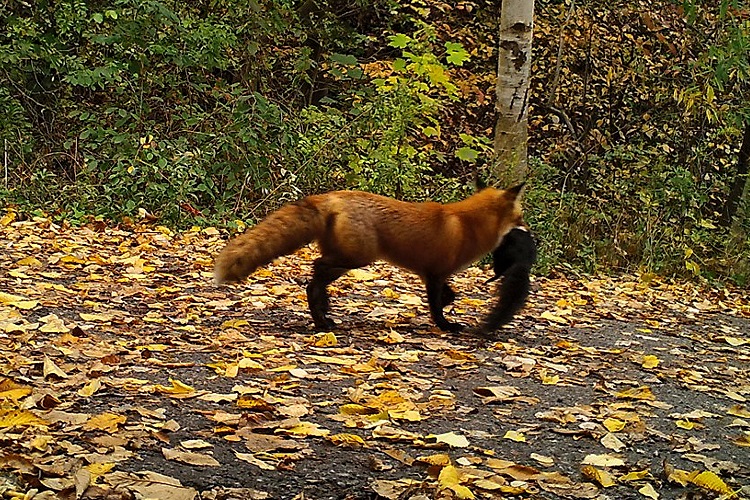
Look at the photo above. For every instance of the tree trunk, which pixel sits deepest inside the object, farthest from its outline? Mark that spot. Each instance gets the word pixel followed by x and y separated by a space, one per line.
pixel 741 180
pixel 513 74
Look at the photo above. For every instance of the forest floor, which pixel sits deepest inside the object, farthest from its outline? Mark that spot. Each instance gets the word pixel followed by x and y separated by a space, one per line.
pixel 125 373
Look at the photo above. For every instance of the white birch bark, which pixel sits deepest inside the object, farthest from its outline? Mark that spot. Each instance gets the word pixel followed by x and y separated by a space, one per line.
pixel 513 75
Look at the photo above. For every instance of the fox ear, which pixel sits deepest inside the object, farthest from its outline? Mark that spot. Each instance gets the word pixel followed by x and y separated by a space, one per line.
pixel 515 190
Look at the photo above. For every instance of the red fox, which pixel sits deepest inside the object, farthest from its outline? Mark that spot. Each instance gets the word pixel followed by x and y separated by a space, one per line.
pixel 355 228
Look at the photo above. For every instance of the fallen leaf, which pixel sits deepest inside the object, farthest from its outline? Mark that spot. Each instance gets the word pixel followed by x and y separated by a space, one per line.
pixel 603 460
pixel 648 490
pixel 451 439
pixel 190 457
pixel 515 436
pixel 649 361
pixel 351 440
pixel 108 422
pixel 450 479
pixel 51 369
pixel 602 477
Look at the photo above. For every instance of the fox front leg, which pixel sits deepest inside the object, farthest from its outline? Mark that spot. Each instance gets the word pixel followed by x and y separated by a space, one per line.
pixel 436 287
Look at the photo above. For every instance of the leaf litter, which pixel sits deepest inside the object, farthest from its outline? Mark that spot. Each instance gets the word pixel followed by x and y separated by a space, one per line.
pixel 126 374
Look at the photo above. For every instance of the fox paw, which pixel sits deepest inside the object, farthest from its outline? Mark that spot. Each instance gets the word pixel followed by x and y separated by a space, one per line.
pixel 324 324
pixel 452 327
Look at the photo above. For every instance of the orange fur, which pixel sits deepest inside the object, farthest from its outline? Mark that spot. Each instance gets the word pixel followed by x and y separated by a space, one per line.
pixel 355 228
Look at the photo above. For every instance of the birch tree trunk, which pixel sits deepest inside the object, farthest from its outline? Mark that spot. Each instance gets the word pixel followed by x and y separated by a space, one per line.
pixel 513 74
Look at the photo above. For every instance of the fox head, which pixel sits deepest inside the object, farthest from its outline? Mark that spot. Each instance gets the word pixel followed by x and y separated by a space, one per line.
pixel 506 208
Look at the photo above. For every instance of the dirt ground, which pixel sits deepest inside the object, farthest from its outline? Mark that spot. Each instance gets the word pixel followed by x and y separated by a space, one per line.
pixel 127 374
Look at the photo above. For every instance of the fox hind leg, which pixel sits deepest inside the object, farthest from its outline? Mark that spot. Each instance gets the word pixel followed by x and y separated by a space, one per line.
pixel 448 295
pixel 439 294
pixel 325 272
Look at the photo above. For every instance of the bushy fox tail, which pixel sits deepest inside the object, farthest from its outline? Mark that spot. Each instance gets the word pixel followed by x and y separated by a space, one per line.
pixel 512 260
pixel 281 233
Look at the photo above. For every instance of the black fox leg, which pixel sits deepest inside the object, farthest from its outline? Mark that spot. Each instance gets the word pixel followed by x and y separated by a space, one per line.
pixel 448 295
pixel 435 290
pixel 324 273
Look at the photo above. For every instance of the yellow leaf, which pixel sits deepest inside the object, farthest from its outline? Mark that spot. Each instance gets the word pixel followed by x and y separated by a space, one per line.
pixel 50 368
pixel 253 403
pixel 736 342
pixel 355 409
pixel 554 318
pixel 30 261
pixel 543 459
pixel 99 469
pixel 344 439
pixel 440 459
pixel 649 491
pixel 41 443
pixel 332 360
pixel 20 418
pixel 600 476
pixel 515 436
pixel 678 476
pixel 462 492
pixel 7 218
pixel 305 429
pixel 234 323
pixel 739 411
pixel 25 305
pixel 96 317
pixel 362 275
pixel 105 422
pixel 249 364
pixel 635 475
pixel 650 361
pixel 409 299
pixel 710 481
pixel 452 439
pixel 643 392
pixel 391 337
pixel 178 388
pixel 152 347
pixel 548 379
pixel 614 424
pixel 7 298
pixel 89 389
pixel 604 460
pixel 450 479
pixel 685 424
pixel 17 301
pixel 327 339
pixel 612 442
pixel 13 391
pixel 742 440
pixel 190 457
pixel 53 324
pixel 232 369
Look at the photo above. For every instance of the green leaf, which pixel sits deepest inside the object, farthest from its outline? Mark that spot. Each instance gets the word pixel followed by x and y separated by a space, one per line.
pixel 345 59
pixel 467 154
pixel 399 65
pixel 399 41
pixel 98 17
pixel 430 131
pixel 456 53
